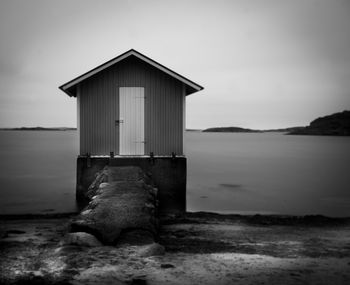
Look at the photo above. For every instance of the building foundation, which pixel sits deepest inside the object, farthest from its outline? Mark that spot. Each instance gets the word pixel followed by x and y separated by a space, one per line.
pixel 167 172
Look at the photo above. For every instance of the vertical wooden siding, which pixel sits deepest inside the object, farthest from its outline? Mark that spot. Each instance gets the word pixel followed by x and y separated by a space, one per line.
pixel 99 108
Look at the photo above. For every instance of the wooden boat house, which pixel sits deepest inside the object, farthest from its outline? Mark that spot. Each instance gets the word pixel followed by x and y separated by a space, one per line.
pixel 131 105
pixel 131 109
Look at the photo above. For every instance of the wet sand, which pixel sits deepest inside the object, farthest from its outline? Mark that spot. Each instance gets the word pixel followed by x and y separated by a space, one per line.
pixel 200 248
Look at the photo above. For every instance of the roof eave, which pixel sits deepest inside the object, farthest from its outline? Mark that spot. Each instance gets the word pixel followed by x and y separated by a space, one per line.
pixel 65 87
pixel 68 91
pixel 190 90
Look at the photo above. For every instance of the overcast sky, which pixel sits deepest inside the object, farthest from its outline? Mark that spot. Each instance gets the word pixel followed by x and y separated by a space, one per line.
pixel 263 63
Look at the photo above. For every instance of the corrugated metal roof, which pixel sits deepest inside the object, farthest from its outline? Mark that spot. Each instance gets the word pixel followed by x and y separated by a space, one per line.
pixel 70 87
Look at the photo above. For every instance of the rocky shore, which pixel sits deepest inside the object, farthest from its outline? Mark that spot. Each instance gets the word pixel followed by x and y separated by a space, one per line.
pixel 337 124
pixel 120 238
pixel 197 248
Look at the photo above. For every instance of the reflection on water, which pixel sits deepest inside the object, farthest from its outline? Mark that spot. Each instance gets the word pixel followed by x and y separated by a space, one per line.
pixel 227 173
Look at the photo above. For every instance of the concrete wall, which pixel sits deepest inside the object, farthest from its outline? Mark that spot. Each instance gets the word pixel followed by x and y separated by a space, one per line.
pixel 168 174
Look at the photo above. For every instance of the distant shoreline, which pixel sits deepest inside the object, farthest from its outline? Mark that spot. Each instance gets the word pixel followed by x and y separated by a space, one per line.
pixel 337 124
pixel 214 130
pixel 245 130
pixel 263 219
pixel 38 129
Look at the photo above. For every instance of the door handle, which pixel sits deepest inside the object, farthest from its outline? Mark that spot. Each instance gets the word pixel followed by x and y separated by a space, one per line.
pixel 119 121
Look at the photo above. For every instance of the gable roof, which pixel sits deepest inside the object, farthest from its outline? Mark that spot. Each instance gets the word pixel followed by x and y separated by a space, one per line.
pixel 70 87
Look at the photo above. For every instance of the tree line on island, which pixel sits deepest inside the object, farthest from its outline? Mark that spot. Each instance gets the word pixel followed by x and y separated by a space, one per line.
pixel 337 124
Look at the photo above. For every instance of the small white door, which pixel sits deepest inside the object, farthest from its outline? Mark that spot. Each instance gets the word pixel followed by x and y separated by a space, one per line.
pixel 131 121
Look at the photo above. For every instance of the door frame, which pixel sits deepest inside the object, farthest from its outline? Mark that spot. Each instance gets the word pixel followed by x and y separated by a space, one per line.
pixel 131 115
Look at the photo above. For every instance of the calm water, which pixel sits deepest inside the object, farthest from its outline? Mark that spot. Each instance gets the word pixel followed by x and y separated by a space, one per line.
pixel 237 173
pixel 37 171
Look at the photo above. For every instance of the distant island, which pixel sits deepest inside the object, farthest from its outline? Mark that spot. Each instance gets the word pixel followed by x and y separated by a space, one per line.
pixel 337 124
pixel 244 130
pixel 38 129
pixel 230 130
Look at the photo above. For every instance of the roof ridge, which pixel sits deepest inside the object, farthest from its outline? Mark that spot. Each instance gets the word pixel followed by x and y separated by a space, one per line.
pixel 68 85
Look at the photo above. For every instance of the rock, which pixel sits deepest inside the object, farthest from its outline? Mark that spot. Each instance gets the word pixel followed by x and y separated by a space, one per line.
pixel 149 205
pixel 138 281
pixel 16 232
pixel 136 237
pixel 65 249
pixel 124 202
pixel 81 239
pixel 119 207
pixel 101 177
pixel 337 124
pixel 153 191
pixel 104 184
pixel 167 265
pixel 85 212
pixel 110 174
pixel 126 173
pixel 153 249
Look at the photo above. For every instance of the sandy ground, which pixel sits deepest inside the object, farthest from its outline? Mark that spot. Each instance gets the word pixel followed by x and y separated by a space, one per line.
pixel 200 249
